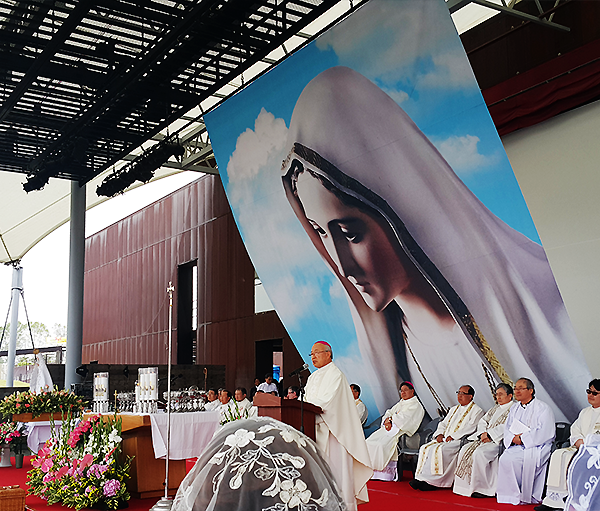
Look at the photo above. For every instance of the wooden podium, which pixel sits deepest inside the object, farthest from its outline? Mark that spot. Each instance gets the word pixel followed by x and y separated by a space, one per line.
pixel 287 411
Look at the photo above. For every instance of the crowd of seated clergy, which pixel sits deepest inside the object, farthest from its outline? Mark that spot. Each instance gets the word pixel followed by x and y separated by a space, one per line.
pixel 503 452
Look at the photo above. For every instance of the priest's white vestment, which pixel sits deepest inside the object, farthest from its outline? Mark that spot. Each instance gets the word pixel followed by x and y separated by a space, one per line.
pixel 406 416
pixel 245 407
pixel 522 468
pixel 587 423
pixel 363 413
pixel 437 460
pixel 339 433
pixel 212 405
pixel 477 466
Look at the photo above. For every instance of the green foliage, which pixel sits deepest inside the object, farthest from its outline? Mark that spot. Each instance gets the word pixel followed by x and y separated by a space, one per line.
pixel 234 415
pixel 82 466
pixel 39 331
pixel 54 401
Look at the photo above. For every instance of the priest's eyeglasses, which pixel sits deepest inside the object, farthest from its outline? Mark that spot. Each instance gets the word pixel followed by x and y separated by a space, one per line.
pixel 462 393
pixel 592 392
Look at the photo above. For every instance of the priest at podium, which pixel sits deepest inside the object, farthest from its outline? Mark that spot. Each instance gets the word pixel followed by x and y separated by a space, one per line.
pixel 339 433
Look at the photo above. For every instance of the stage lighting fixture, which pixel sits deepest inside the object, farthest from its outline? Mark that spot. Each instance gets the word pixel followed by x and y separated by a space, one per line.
pixel 142 168
pixel 38 180
pixel 82 371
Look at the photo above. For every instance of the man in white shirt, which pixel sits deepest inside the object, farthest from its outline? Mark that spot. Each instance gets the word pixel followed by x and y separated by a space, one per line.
pixel 528 436
pixel 243 404
pixel 477 467
pixel 268 386
pixel 363 413
pixel 227 408
pixel 437 459
pixel 213 403
pixel 404 418
pixel 338 431
pixel 586 424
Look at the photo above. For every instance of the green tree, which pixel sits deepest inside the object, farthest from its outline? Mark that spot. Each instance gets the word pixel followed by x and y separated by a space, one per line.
pixel 39 331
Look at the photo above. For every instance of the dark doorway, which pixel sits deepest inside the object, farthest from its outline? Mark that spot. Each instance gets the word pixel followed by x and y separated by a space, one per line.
pixel 266 353
pixel 187 307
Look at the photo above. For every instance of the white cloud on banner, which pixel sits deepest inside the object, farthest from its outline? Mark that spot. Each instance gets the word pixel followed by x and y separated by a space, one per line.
pixel 463 154
pixel 399 96
pixel 272 233
pixel 451 70
pixel 254 147
pixel 407 47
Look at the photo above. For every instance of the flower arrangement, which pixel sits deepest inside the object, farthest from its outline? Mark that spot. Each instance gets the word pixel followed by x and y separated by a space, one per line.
pixel 230 415
pixel 81 467
pixel 44 402
pixel 12 434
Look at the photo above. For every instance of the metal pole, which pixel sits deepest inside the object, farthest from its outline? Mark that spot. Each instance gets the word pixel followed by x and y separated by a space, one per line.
pixel 165 503
pixel 17 287
pixel 76 270
pixel 170 290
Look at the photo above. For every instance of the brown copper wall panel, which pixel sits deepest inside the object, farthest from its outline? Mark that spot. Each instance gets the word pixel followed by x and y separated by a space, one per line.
pixel 128 268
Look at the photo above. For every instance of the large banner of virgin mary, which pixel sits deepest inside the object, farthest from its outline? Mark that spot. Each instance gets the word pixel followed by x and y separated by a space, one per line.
pixel 382 215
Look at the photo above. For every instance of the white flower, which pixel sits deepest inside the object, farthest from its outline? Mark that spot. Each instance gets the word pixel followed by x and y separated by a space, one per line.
pixel 113 437
pixel 294 494
pixel 291 435
pixel 594 457
pixel 241 438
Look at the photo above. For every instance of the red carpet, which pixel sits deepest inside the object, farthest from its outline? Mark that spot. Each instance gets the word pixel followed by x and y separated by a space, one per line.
pixel 383 497
pixel 401 497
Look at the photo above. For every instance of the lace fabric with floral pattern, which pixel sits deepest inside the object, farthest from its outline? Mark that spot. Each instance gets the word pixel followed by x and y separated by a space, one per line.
pixel 259 464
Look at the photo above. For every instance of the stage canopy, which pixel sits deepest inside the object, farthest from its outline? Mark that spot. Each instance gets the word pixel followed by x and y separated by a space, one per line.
pixel 87 87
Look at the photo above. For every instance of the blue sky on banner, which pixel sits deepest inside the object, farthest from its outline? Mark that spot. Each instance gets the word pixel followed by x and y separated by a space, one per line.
pixel 411 50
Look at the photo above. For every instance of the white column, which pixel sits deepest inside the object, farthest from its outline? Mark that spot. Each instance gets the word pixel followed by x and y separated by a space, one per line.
pixel 76 270
pixel 17 286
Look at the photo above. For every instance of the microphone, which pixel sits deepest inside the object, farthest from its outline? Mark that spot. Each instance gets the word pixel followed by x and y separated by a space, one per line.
pixel 298 371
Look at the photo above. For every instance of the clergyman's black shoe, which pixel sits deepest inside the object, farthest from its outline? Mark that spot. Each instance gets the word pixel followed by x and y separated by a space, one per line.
pixel 544 507
pixel 478 495
pixel 415 484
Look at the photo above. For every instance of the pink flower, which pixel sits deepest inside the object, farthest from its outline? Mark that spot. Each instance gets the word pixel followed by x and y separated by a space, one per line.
pixel 44 451
pixel 111 487
pixel 86 461
pixel 47 465
pixel 62 471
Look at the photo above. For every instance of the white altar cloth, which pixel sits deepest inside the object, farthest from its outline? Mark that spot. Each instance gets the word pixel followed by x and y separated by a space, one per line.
pixel 190 433
pixel 40 431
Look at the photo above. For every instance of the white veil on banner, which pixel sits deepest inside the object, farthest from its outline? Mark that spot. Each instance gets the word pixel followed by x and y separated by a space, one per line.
pixel 395 228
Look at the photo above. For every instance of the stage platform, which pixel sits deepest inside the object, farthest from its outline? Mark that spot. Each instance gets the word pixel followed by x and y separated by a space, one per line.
pixel 383 497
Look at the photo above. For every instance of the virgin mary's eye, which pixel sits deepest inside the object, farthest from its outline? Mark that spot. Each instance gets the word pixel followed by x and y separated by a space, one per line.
pixel 318 228
pixel 352 234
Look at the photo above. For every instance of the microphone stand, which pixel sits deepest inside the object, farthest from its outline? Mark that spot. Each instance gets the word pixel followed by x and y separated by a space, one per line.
pixel 301 403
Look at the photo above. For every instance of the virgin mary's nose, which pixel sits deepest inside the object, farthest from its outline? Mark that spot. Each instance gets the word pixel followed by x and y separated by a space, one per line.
pixel 346 262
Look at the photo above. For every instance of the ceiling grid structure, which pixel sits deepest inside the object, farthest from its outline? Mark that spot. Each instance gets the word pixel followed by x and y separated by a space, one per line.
pixel 84 83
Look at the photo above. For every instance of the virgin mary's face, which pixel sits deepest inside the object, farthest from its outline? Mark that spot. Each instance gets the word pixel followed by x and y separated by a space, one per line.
pixel 361 245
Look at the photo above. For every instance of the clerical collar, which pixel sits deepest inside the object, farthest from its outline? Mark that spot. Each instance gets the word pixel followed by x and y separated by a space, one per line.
pixel 526 404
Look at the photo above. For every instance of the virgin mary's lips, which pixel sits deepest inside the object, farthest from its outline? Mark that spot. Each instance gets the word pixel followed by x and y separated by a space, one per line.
pixel 356 283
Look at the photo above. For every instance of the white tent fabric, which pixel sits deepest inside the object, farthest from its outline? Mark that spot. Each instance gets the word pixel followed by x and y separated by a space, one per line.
pixel 27 218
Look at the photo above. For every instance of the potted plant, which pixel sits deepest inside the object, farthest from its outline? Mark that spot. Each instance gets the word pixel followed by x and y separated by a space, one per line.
pixel 18 444
pixel 9 431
